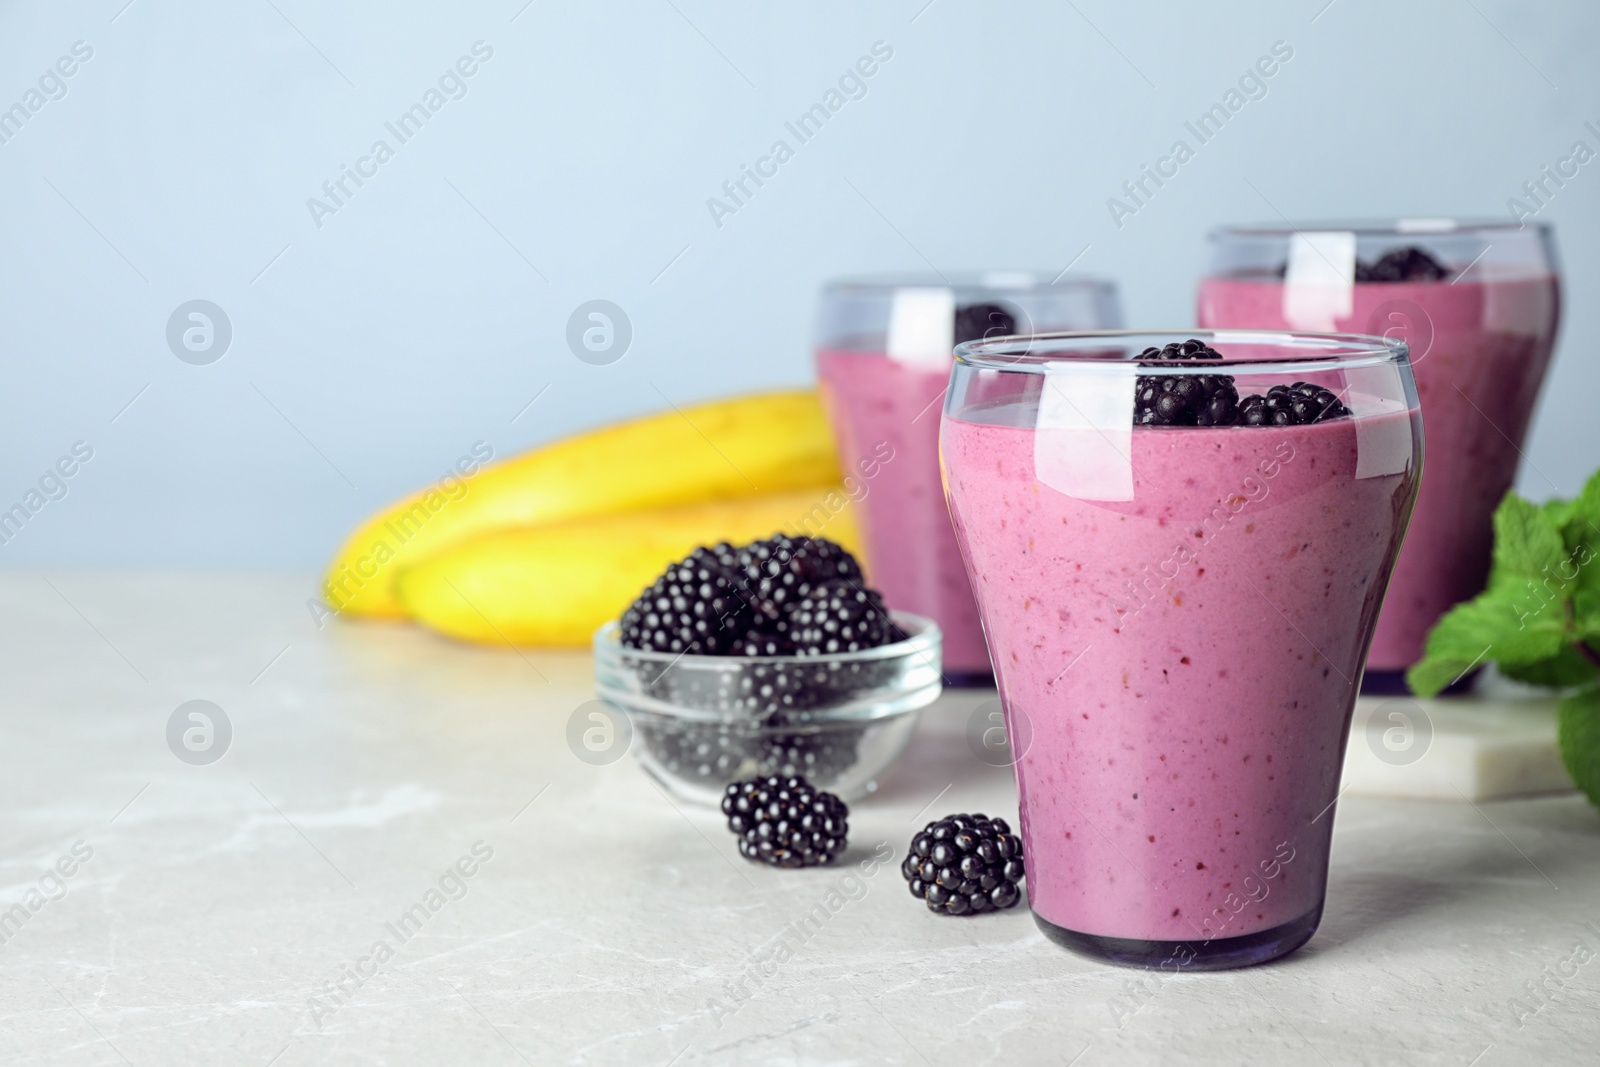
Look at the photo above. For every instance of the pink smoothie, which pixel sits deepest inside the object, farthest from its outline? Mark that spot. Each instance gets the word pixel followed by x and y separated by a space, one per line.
pixel 1478 378
pixel 1186 660
pixel 878 404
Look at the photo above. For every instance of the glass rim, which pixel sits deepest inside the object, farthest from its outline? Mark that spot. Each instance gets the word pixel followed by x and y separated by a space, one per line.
pixel 997 280
pixel 1325 351
pixel 1419 228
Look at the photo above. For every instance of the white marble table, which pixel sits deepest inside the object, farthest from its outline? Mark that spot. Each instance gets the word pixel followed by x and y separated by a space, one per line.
pixel 219 906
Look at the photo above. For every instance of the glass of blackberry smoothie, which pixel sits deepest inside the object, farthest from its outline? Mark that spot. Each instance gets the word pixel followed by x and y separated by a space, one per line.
pixel 883 355
pixel 1179 547
pixel 1478 305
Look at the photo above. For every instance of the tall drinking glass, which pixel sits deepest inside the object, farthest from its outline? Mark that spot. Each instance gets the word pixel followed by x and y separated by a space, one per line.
pixel 1179 549
pixel 1478 305
pixel 883 356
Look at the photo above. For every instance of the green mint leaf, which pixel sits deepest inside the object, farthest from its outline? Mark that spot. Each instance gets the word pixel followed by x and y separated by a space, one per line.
pixel 1583 512
pixel 1528 546
pixel 1559 511
pixel 1543 598
pixel 1586 611
pixel 1581 531
pixel 1566 668
pixel 1433 673
pixel 1504 625
pixel 1579 738
pixel 1533 575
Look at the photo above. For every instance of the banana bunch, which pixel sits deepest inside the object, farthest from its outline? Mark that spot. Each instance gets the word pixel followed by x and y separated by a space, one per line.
pixel 544 547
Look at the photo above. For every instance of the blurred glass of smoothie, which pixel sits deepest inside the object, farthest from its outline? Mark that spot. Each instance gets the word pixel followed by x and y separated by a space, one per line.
pixel 1478 306
pixel 1179 548
pixel 883 355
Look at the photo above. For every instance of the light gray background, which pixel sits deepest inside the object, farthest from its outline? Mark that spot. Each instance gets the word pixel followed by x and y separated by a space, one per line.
pixel 432 308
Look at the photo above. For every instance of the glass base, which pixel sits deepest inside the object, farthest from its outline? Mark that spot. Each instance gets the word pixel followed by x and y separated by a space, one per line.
pixel 1376 683
pixel 1180 957
pixel 969 679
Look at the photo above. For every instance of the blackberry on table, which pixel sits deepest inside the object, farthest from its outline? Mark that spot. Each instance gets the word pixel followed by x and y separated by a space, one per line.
pixel 1409 264
pixel 978 321
pixel 698 605
pixel 1291 405
pixel 1187 399
pixel 965 865
pixel 786 822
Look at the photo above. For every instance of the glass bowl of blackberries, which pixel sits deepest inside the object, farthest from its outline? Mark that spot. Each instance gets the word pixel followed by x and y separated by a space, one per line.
pixel 771 658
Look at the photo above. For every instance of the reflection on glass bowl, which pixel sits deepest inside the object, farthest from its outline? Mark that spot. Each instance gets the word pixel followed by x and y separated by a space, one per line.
pixel 700 722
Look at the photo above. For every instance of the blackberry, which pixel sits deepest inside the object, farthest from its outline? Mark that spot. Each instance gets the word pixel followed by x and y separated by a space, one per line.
pixel 1408 264
pixel 1291 405
pixel 786 822
pixel 764 643
pixel 777 687
pixel 1187 399
pixel 698 605
pixel 763 694
pixel 724 600
pixel 699 751
pixel 965 865
pixel 777 572
pixel 715 754
pixel 783 695
pixel 976 322
pixel 821 756
pixel 839 616
pixel 1193 348
pixel 748 602
pixel 822 559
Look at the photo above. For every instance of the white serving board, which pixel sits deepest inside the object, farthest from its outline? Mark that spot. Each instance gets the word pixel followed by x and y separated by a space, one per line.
pixel 1499 742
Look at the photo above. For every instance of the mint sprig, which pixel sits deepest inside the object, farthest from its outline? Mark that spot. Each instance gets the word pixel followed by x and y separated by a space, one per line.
pixel 1538 620
pixel 1579 737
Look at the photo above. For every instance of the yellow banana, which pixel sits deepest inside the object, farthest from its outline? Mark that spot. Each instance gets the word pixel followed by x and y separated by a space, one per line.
pixel 556 584
pixel 722 450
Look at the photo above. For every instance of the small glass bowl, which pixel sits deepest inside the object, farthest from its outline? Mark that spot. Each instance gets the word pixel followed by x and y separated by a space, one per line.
pixel 700 722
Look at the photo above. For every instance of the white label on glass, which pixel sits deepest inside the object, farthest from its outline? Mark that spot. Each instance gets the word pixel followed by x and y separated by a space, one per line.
pixel 1083 438
pixel 922 326
pixel 1008 279
pixel 1319 283
pixel 1426 225
pixel 1383 429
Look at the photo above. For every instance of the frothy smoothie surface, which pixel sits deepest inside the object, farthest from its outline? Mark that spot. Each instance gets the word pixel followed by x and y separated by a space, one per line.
pixel 1185 655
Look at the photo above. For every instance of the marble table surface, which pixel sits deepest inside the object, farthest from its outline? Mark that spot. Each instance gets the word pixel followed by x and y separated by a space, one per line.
pixel 397 859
